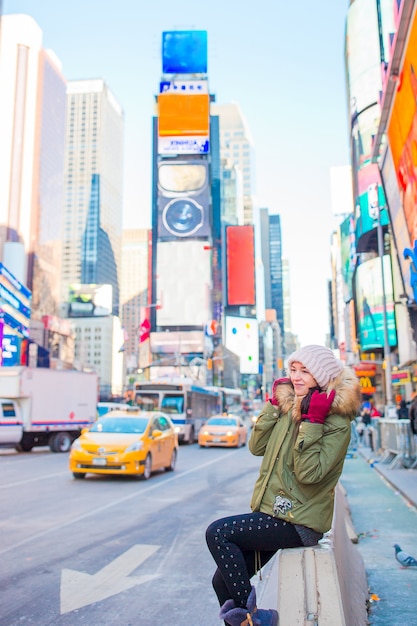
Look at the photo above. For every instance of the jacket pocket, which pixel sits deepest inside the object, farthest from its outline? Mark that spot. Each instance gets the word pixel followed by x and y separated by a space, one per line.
pixel 291 487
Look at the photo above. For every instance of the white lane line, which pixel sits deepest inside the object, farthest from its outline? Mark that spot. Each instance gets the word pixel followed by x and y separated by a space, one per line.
pixel 32 480
pixel 135 494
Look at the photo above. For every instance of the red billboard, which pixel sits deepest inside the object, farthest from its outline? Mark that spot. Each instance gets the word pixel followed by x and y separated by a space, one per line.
pixel 240 255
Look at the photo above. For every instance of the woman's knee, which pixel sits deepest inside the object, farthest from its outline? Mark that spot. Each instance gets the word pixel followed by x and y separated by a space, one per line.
pixel 212 530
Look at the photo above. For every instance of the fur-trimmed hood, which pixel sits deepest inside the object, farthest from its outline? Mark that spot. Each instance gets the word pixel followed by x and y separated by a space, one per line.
pixel 347 400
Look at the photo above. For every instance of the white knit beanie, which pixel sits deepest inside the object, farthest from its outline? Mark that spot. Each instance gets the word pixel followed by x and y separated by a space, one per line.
pixel 320 362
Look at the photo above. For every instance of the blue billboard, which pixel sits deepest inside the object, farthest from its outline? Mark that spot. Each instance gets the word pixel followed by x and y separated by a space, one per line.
pixel 184 52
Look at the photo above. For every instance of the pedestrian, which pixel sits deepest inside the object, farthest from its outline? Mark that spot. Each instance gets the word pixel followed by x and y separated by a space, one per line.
pixel 366 409
pixel 402 411
pixel 412 414
pixel 302 433
pixel 360 429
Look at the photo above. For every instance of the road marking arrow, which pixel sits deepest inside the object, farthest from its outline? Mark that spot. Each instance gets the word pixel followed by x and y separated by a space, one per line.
pixel 79 589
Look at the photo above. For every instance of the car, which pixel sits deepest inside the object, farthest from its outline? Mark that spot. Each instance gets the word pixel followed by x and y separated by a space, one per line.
pixel 125 442
pixel 105 407
pixel 223 430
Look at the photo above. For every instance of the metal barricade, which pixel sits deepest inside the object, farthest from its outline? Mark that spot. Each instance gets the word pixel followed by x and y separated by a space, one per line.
pixel 398 445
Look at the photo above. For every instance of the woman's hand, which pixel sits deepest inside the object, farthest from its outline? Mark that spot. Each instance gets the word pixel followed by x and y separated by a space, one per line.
pixel 319 408
pixel 278 381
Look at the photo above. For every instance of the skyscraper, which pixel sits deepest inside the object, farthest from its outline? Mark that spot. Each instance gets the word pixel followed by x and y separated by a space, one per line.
pixel 32 137
pixel 93 187
pixel 271 254
pixel 134 291
pixel 236 145
pixel 277 294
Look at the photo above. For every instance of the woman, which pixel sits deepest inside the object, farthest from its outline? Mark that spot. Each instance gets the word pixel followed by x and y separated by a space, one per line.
pixel 303 434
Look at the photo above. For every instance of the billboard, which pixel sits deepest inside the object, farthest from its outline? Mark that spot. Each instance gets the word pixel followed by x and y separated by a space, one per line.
pixel 177 342
pixel 90 300
pixel 184 52
pixel 183 199
pixel 183 114
pixel 183 284
pixel 369 298
pixel 370 200
pixel 15 302
pixel 367 26
pixel 242 338
pixel 397 217
pixel 402 133
pixel 348 255
pixel 183 122
pixel 240 265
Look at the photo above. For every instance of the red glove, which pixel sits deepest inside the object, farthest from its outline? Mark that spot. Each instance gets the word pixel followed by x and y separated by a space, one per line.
pixel 278 381
pixel 319 407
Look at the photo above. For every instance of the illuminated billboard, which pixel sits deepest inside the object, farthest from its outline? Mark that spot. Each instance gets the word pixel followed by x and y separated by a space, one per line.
pixel 90 300
pixel 184 52
pixel 240 258
pixel 15 302
pixel 183 123
pixel 369 298
pixel 183 115
pixel 177 342
pixel 402 133
pixel 365 29
pixel 370 200
pixel 183 199
pixel 398 223
pixel 242 338
pixel 183 284
pixel 348 255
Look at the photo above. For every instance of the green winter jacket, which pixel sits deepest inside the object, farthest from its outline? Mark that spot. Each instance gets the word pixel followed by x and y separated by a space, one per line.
pixel 302 462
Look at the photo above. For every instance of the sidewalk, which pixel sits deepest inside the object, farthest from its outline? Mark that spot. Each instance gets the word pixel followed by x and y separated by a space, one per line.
pixel 383 505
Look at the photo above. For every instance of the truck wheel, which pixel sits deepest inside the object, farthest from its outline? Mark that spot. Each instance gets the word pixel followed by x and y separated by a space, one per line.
pixel 147 470
pixel 78 475
pixel 60 442
pixel 24 446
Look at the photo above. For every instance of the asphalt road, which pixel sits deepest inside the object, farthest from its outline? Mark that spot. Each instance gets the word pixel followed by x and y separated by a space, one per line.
pixel 107 551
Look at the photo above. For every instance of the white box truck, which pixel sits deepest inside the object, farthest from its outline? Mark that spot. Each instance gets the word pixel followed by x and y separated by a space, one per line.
pixel 40 407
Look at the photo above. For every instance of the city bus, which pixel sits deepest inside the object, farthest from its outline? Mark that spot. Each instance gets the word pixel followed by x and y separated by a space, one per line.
pixel 188 404
pixel 232 399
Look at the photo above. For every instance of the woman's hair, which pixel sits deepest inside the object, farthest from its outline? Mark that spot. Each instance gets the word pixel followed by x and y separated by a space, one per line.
pixel 305 402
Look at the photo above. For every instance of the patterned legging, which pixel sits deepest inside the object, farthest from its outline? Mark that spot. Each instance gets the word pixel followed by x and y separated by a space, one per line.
pixel 235 542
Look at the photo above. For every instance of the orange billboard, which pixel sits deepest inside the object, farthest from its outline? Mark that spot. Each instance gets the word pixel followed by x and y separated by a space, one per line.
pixel 402 133
pixel 183 115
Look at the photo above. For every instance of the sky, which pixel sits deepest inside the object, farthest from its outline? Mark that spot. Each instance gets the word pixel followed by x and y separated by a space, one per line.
pixel 282 62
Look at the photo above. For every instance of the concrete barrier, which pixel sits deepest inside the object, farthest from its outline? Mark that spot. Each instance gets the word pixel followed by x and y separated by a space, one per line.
pixel 325 585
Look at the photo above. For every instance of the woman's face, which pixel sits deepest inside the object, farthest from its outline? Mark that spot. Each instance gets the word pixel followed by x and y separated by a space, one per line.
pixel 301 379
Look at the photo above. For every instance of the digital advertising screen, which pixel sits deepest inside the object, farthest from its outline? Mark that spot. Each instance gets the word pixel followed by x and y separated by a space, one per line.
pixel 184 52
pixel 240 260
pixel 369 298
pixel 183 283
pixel 183 199
pixel 242 338
pixel 370 201
pixel 348 255
pixel 90 300
pixel 183 115
pixel 398 223
pixel 366 26
pixel 402 133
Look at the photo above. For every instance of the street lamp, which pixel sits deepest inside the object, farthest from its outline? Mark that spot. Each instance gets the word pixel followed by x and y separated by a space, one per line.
pixel 390 407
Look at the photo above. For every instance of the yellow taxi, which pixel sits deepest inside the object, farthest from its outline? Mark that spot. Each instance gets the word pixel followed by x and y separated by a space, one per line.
pixel 130 442
pixel 226 430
